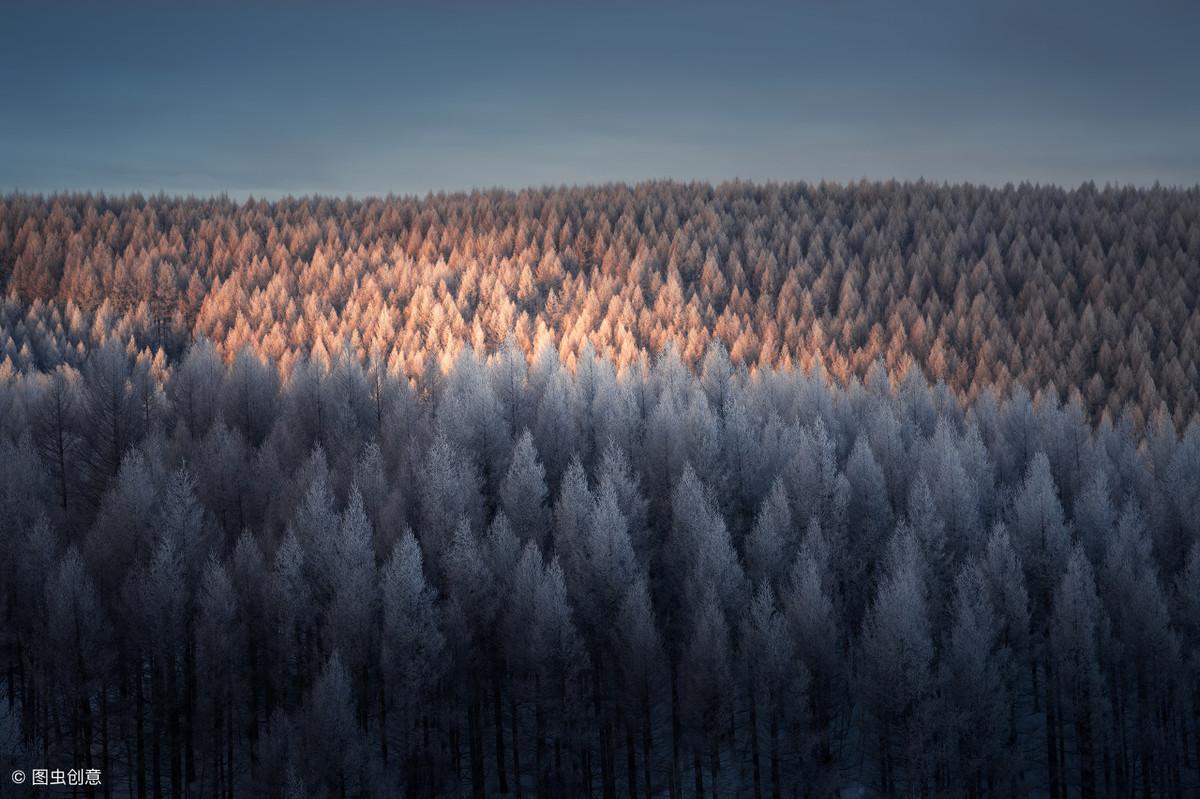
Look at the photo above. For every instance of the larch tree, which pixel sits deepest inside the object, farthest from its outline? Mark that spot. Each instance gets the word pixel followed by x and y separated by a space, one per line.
pixel 772 682
pixel 972 679
pixel 523 492
pixel 412 652
pixel 448 491
pixel 56 431
pixel 896 680
pixel 706 677
pixel 771 537
pixel 1079 636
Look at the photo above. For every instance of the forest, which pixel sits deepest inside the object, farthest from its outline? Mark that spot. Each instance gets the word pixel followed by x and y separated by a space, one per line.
pixel 668 490
pixel 1089 290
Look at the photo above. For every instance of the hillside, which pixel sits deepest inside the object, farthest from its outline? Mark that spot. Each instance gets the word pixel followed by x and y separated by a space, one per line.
pixel 665 491
pixel 1090 292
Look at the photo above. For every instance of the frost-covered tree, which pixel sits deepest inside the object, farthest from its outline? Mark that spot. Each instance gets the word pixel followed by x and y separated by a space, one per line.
pixel 413 646
pixel 110 424
pixel 1079 633
pixel 56 431
pixel 523 492
pixel 1039 532
pixel 771 538
pixel 706 676
pixel 814 626
pixel 784 571
pixel 449 493
pixel 773 683
pixel 331 743
pixel 195 387
pixel 896 679
pixel 974 665
pixel 617 474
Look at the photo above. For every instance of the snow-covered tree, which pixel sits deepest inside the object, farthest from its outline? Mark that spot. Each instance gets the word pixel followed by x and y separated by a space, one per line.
pixel 523 492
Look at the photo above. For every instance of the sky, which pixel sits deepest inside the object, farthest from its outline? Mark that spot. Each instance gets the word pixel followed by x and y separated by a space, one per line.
pixel 270 99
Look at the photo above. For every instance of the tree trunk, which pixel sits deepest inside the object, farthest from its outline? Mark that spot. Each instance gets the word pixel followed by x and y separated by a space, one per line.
pixel 607 789
pixel 498 712
pixel 156 728
pixel 776 787
pixel 1145 736
pixel 173 732
pixel 631 762
pixel 1051 739
pixel 1196 732
pixel 218 744
pixel 586 762
pixel 1087 758
pixel 383 723
pixel 189 711
pixel 229 728
pixel 515 739
pixel 85 721
pixel 675 732
pixel 539 749
pixel 475 740
pixel 427 749
pixel 754 753
pixel 646 742
pixel 715 761
pixel 104 745
pixel 140 710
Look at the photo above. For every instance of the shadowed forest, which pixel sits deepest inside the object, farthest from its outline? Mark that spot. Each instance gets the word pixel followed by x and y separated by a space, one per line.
pixel 659 491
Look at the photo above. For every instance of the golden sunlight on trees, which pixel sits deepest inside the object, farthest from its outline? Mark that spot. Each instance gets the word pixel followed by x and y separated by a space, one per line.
pixel 1089 292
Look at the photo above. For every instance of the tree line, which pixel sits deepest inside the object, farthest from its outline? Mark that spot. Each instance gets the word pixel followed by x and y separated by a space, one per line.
pixel 1090 290
pixel 531 577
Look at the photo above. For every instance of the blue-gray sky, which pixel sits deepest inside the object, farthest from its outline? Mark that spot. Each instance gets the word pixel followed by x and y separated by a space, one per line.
pixel 352 98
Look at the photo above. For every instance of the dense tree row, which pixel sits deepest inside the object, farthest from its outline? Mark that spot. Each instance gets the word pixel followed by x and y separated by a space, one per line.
pixel 517 578
pixel 1091 290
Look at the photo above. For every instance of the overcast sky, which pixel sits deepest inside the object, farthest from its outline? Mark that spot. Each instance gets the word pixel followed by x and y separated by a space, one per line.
pixel 352 98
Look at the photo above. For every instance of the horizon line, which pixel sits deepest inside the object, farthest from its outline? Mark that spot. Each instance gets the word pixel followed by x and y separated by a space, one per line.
pixel 717 185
